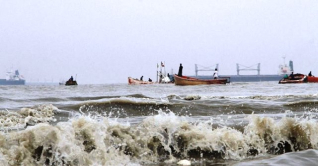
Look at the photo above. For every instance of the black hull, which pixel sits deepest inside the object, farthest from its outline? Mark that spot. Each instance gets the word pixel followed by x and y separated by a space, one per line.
pixel 70 83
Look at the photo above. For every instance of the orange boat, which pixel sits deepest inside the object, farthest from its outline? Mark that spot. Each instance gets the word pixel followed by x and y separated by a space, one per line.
pixel 184 80
pixel 133 81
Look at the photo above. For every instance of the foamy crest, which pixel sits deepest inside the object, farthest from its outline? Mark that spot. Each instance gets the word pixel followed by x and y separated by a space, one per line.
pixel 164 137
pixel 285 135
pixel 127 100
pixel 81 142
pixel 27 116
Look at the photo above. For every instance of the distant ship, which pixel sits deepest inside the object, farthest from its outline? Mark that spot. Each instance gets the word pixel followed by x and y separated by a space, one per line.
pixel 13 78
pixel 283 69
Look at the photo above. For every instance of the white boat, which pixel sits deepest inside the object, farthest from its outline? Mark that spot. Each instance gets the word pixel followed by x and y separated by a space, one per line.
pixel 134 81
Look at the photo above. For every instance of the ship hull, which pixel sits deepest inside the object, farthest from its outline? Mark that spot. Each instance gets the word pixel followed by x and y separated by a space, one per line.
pixel 12 82
pixel 246 78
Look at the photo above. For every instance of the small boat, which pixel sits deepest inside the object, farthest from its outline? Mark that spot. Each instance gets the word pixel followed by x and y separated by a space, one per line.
pixel 298 78
pixel 184 80
pixel 134 81
pixel 69 82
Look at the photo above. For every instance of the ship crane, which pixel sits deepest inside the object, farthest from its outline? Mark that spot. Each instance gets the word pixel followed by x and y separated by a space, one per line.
pixel 202 68
pixel 248 68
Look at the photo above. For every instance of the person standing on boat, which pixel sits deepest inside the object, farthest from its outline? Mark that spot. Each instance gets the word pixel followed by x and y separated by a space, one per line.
pixel 215 73
pixel 180 70
pixel 291 75
pixel 71 79
pixel 141 78
pixel 309 74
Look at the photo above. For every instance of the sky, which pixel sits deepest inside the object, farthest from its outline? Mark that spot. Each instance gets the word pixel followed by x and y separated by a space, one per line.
pixel 106 41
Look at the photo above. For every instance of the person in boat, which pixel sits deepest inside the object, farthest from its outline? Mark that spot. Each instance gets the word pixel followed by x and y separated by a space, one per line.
pixel 71 79
pixel 286 76
pixel 215 75
pixel 180 70
pixel 150 80
pixel 141 78
pixel 291 76
pixel 310 74
pixel 160 77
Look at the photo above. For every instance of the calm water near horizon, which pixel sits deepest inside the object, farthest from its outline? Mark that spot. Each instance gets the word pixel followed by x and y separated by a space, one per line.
pixel 259 123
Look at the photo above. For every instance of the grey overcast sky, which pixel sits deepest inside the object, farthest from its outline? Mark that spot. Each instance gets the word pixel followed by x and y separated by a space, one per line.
pixel 105 41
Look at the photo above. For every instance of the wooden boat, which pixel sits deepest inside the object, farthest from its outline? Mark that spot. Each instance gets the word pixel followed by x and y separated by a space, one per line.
pixel 184 80
pixel 298 78
pixel 312 79
pixel 69 82
pixel 133 81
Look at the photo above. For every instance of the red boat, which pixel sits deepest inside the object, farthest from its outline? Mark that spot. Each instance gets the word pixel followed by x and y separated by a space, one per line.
pixel 298 78
pixel 312 79
pixel 184 80
pixel 133 81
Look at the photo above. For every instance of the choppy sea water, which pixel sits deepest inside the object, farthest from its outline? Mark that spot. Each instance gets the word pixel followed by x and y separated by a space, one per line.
pixel 263 123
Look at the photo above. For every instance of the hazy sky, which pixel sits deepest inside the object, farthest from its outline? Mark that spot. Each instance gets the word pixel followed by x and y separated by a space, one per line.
pixel 105 41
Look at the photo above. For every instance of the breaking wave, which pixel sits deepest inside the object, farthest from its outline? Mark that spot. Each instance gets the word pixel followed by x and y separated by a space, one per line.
pixel 163 137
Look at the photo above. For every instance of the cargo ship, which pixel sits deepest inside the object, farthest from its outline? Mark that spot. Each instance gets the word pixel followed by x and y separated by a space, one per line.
pixel 282 70
pixel 13 78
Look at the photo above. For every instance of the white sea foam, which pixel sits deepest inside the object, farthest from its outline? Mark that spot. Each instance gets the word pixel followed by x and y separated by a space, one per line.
pixel 10 120
pixel 164 137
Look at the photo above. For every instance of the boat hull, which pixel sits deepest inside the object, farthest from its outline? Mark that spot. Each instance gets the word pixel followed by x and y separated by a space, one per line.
pixel 132 81
pixel 184 80
pixel 244 78
pixel 286 81
pixel 69 83
pixel 312 79
pixel 298 78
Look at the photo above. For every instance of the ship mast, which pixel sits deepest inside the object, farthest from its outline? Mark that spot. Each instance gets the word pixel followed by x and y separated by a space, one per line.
pixel 284 60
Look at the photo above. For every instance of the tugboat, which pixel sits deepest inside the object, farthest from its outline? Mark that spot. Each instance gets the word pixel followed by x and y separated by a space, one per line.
pixel 13 78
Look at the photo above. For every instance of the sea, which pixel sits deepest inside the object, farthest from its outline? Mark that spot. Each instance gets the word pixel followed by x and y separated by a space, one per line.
pixel 252 123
